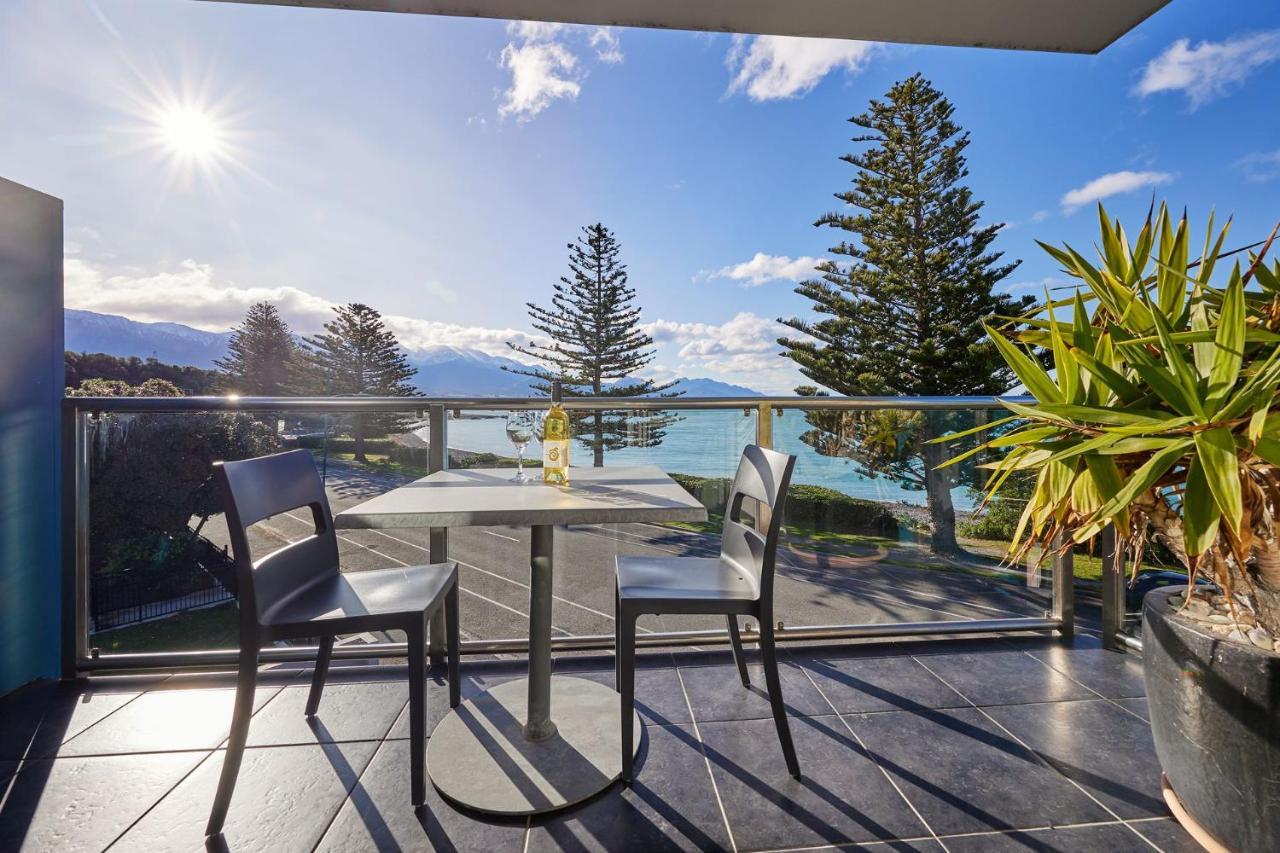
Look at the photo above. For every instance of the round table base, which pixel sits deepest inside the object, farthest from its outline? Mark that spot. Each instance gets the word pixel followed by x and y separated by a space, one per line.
pixel 478 756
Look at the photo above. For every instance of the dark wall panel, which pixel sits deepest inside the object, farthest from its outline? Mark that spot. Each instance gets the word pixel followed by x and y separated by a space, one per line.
pixel 30 391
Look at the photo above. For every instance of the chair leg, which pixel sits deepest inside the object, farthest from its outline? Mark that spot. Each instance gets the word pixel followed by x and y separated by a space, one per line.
pixel 735 640
pixel 770 658
pixel 245 682
pixel 617 640
pixel 417 637
pixel 318 676
pixel 452 632
pixel 627 686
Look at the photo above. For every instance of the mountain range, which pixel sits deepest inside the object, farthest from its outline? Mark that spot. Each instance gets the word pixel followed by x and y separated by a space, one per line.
pixel 443 371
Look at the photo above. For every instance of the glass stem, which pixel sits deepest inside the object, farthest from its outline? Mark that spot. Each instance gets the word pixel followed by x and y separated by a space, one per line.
pixel 520 462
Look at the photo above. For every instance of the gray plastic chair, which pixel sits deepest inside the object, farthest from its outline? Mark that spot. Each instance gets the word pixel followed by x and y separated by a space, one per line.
pixel 298 591
pixel 737 583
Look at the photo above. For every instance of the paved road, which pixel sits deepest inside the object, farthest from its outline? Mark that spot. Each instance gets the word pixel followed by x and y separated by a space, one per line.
pixel 863 585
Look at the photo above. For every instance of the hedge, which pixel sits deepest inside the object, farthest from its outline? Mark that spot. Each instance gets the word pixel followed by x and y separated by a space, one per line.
pixel 807 506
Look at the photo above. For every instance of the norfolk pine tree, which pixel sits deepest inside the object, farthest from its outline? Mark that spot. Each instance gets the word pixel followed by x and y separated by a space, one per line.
pixel 597 346
pixel 263 359
pixel 901 309
pixel 358 355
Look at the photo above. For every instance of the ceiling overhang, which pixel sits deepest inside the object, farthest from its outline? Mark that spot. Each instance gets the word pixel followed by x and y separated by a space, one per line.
pixel 1069 26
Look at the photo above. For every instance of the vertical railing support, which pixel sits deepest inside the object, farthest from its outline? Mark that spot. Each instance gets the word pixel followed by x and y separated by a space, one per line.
pixel 764 438
pixel 1112 588
pixel 438 460
pixel 75 541
pixel 1064 576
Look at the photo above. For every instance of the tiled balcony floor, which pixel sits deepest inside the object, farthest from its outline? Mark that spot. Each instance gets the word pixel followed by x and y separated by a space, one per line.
pixel 976 745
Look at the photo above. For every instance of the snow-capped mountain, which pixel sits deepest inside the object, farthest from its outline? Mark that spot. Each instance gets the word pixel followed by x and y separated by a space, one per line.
pixel 443 371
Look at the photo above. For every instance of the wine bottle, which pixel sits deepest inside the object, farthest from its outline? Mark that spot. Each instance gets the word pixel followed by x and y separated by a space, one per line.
pixel 555 442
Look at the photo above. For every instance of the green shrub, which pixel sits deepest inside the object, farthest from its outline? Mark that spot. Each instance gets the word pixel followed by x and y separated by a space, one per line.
pixel 816 507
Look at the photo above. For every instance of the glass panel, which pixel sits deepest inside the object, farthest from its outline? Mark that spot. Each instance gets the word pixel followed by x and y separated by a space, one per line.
pixel 858 543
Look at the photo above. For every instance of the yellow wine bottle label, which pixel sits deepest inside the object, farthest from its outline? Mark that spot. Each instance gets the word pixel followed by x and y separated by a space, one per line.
pixel 555 447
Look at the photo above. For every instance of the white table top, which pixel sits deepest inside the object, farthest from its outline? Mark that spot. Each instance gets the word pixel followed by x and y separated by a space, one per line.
pixel 486 496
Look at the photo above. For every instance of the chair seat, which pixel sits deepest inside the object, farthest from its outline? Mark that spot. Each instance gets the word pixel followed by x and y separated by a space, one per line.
pixel 685 578
pixel 378 593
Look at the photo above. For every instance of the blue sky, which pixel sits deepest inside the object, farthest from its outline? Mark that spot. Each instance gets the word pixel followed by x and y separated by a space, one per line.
pixel 435 168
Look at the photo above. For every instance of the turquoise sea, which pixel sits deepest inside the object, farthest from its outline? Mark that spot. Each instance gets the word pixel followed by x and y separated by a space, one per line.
pixel 708 443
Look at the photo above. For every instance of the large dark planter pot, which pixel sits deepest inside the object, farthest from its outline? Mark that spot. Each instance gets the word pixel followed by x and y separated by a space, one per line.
pixel 1215 717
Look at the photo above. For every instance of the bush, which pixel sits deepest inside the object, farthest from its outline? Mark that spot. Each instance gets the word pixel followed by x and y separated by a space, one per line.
pixel 343 444
pixel 807 506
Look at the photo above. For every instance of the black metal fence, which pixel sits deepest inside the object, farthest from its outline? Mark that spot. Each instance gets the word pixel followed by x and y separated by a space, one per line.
pixel 119 599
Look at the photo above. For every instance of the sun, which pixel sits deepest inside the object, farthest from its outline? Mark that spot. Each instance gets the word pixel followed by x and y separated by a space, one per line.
pixel 190 133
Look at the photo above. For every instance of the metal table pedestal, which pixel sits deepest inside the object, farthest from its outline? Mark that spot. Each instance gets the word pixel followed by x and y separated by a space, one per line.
pixel 535 744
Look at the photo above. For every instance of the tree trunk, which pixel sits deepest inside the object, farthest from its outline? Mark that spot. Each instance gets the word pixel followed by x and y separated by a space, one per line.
pixel 942 512
pixel 358 433
pixel 597 441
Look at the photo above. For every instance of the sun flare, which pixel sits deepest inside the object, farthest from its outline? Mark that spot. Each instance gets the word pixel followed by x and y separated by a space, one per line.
pixel 190 133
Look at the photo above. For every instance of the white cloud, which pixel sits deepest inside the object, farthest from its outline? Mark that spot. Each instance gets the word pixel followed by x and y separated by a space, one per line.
pixel 762 269
pixel 1040 216
pixel 1211 68
pixel 544 68
pixel 1261 166
pixel 769 68
pixel 608 48
pixel 1113 183
pixel 743 350
pixel 190 294
pixel 541 73
pixel 193 294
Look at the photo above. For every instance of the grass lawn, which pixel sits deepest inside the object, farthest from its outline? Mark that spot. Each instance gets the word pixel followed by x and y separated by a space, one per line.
pixel 210 628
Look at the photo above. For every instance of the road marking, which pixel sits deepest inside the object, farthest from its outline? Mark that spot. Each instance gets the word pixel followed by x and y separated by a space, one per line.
pixel 500 536
pixel 500 577
pixel 473 593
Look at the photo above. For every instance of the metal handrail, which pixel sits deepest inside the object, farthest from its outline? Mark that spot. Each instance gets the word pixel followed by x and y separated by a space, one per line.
pixel 406 404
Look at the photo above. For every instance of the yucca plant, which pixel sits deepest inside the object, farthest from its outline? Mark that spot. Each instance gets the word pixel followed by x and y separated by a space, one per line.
pixel 1157 415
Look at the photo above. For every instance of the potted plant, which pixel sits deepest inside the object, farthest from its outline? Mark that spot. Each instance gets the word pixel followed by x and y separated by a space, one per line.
pixel 1158 418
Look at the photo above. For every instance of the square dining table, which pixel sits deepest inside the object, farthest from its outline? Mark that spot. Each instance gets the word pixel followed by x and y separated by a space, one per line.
pixel 539 743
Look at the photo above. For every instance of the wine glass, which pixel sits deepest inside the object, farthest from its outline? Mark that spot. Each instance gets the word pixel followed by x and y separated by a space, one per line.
pixel 520 427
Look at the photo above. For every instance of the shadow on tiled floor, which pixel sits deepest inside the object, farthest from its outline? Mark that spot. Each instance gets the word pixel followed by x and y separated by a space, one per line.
pixel 975 745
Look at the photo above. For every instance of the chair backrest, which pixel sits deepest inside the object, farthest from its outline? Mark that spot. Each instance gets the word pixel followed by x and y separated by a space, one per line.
pixel 763 475
pixel 257 489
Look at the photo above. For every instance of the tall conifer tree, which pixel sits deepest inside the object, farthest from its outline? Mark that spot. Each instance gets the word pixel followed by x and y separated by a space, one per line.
pixel 358 355
pixel 262 357
pixel 901 309
pixel 597 346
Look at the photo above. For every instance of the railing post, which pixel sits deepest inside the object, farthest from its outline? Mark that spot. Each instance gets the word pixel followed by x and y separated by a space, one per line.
pixel 764 438
pixel 75 541
pixel 1064 576
pixel 1112 588
pixel 438 460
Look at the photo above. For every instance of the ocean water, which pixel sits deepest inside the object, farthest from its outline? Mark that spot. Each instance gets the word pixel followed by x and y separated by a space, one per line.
pixel 708 444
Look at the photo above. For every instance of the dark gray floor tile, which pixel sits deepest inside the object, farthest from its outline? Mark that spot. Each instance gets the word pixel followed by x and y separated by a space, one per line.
pixel 378 815
pixel 1111 838
pixel 1168 835
pixel 474 680
pixel 1104 748
pixel 841 798
pixel 880 684
pixel 1116 675
pixel 39 717
pixel 1003 678
pixel 716 693
pixel 161 720
pixel 965 775
pixel 671 805
pixel 1137 706
pixel 74 804
pixel 285 797
pixel 348 711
